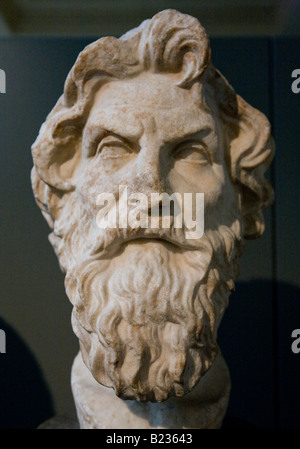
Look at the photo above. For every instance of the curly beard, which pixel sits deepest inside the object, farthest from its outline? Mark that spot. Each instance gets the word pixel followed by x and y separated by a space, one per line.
pixel 146 311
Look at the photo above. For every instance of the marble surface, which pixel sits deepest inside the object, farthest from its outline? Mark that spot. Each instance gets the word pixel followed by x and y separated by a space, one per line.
pixel 144 118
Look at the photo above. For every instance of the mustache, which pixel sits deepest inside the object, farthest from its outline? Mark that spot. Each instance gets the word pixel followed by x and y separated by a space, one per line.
pixel 105 243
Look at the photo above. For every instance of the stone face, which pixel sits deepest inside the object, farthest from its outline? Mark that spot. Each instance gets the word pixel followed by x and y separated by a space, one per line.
pixel 143 119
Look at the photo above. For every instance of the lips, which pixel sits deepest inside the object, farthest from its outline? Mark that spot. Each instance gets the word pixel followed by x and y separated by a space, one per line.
pixel 112 240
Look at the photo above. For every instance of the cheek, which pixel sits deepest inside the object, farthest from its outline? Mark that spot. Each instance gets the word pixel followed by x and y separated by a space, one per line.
pixel 192 178
pixel 92 180
pixel 222 205
pixel 211 181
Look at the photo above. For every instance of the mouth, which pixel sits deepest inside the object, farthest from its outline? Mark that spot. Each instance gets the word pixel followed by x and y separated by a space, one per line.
pixel 144 240
pixel 116 242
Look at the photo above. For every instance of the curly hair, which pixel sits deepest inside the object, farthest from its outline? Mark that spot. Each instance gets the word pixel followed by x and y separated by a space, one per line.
pixel 175 44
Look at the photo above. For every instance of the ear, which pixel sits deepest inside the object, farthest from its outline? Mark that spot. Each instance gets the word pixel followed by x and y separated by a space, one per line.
pixel 57 149
pixel 251 149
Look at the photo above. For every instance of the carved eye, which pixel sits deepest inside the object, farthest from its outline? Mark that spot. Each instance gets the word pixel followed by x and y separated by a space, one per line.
pixel 112 147
pixel 192 152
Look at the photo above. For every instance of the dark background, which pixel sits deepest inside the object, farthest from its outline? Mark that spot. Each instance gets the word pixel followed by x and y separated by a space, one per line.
pixel 255 335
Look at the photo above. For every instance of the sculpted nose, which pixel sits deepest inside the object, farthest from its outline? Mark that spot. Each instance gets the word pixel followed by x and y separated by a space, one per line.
pixel 150 174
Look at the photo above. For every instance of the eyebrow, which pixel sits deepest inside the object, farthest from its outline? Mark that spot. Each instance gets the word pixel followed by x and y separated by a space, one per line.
pixel 132 134
pixel 196 134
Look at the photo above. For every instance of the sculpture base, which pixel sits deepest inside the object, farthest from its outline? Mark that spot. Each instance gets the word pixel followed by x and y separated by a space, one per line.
pixel 203 408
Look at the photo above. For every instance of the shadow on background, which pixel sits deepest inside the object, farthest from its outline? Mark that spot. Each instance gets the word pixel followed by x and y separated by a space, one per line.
pixel 25 400
pixel 255 339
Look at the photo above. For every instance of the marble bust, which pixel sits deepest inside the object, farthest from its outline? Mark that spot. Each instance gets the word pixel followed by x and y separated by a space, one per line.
pixel 149 113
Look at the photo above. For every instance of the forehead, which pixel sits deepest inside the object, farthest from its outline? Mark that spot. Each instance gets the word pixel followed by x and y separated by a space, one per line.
pixel 151 100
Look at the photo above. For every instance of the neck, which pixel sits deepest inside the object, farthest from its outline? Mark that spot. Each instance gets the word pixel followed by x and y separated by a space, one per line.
pixel 203 408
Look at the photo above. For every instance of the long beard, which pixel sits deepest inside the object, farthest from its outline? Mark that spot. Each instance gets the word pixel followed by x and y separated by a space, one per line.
pixel 147 317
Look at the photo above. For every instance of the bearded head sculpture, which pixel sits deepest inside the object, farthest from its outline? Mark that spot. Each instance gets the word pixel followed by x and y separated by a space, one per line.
pixel 149 111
